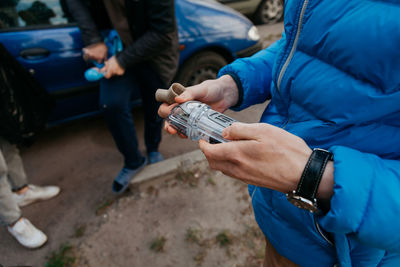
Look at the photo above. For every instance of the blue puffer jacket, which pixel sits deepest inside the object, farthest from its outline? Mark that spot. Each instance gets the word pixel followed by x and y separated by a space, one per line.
pixel 334 80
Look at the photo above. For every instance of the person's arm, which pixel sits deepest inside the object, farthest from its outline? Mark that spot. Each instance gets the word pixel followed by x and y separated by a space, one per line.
pixel 79 11
pixel 363 189
pixel 161 20
pixel 366 198
pixel 253 75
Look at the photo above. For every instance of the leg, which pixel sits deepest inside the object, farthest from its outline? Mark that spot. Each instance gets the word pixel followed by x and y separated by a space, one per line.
pixel 9 209
pixel 24 194
pixel 15 168
pixel 115 95
pixel 273 259
pixel 10 214
pixel 149 82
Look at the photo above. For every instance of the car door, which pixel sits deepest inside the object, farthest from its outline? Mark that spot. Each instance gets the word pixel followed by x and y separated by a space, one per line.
pixel 43 38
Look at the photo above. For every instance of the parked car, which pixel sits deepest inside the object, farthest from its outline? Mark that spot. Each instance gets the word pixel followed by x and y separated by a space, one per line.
pixel 260 11
pixel 46 41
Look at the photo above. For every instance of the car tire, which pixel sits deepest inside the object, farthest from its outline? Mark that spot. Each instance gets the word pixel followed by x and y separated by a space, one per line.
pixel 269 12
pixel 200 67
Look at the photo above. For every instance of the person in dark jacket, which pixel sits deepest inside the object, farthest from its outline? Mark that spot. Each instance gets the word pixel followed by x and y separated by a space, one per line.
pixel 148 61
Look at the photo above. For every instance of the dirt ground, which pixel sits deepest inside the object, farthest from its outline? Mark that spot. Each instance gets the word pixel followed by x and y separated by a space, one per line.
pixel 82 159
pixel 198 218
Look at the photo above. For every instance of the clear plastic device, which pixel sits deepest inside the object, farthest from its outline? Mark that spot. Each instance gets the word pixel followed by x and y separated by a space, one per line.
pixel 197 121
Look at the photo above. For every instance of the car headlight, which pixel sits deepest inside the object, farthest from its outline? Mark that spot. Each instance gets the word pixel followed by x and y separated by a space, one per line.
pixel 253 34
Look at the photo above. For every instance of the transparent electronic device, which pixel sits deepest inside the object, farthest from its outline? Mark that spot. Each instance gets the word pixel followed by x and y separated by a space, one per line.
pixel 197 121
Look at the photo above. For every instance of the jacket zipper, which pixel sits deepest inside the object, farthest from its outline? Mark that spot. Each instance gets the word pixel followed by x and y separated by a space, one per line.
pixel 291 53
pixel 293 49
pixel 320 231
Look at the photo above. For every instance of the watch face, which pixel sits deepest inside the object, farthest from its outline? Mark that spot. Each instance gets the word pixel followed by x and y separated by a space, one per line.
pixel 302 203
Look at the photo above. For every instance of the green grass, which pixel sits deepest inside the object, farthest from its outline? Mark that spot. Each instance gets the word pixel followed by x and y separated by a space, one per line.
pixel 62 258
pixel 158 244
pixel 224 238
pixel 193 236
pixel 80 231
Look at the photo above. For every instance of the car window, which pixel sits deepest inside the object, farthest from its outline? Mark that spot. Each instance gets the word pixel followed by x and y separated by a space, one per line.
pixel 28 13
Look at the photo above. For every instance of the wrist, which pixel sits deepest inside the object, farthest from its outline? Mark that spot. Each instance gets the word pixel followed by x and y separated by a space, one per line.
pixel 95 44
pixel 325 190
pixel 230 89
pixel 306 194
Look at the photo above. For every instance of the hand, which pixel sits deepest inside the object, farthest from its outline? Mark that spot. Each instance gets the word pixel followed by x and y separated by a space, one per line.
pixel 97 52
pixel 260 154
pixel 112 68
pixel 220 94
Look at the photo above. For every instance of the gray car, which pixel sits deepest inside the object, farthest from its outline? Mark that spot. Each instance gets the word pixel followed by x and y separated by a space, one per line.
pixel 261 11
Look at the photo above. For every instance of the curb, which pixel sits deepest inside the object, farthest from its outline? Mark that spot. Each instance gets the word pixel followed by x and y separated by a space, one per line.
pixel 166 168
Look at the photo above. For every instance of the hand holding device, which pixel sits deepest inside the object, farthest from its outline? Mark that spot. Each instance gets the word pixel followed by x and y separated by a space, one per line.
pixel 197 121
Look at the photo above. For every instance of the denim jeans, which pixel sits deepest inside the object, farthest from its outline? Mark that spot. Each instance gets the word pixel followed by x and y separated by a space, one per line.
pixel 12 177
pixel 115 98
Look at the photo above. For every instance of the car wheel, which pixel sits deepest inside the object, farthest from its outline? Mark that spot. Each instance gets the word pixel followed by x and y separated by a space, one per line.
pixel 200 67
pixel 269 12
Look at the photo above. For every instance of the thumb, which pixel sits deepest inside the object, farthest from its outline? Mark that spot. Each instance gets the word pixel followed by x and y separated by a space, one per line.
pixel 241 131
pixel 184 97
pixel 195 92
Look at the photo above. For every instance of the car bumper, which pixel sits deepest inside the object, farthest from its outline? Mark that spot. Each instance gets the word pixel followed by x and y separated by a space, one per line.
pixel 250 50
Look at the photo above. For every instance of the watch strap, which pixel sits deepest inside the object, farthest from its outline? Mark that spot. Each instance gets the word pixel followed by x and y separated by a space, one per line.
pixel 312 174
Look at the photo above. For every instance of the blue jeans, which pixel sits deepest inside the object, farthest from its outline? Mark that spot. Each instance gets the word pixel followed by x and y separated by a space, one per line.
pixel 115 98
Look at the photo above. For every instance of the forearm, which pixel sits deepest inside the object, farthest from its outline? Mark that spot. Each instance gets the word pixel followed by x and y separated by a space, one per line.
pixel 148 46
pixel 89 31
pixel 253 76
pixel 365 199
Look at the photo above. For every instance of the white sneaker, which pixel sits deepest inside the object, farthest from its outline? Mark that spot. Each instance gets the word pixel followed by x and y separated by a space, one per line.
pixel 36 193
pixel 27 234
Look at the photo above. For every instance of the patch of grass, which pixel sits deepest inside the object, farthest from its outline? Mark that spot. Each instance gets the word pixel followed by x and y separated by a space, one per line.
pixel 189 177
pixel 102 208
pixel 80 231
pixel 193 236
pixel 158 244
pixel 224 238
pixel 64 257
pixel 211 181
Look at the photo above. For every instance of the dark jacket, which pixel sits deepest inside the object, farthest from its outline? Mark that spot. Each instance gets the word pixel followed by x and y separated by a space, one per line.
pixel 153 27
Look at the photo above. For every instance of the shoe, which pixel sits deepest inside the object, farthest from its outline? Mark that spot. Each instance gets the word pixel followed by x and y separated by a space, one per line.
pixel 154 157
pixel 121 182
pixel 27 234
pixel 36 193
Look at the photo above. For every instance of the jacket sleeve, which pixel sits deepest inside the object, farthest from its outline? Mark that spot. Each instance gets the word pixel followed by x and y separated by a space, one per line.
pixel 89 30
pixel 160 34
pixel 253 75
pixel 366 200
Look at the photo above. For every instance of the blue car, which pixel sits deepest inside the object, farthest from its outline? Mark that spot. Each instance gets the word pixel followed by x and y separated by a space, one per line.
pixel 44 39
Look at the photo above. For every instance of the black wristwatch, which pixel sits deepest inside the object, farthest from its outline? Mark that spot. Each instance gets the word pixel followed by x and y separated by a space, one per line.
pixel 304 196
